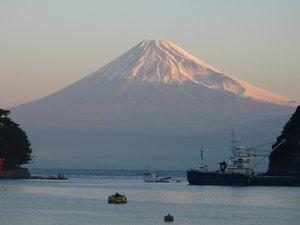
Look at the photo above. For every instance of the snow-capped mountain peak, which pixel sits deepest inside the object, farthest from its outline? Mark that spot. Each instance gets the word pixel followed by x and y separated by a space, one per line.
pixel 154 61
pixel 163 62
pixel 171 63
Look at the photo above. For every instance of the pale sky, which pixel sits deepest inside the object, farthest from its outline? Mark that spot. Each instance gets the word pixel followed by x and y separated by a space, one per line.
pixel 46 45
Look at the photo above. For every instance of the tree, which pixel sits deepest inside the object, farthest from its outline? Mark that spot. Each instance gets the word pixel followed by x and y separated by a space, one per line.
pixel 285 160
pixel 14 145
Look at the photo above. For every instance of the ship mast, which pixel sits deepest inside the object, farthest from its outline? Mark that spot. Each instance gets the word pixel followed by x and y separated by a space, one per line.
pixel 203 166
pixel 201 153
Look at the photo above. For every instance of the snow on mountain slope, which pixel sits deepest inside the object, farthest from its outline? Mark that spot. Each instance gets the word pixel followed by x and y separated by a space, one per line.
pixel 163 62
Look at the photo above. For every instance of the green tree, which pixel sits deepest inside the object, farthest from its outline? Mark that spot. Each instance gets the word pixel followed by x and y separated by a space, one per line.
pixel 14 144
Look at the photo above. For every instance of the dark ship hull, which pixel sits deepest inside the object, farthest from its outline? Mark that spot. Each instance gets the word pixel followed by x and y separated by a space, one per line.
pixel 195 177
pixel 217 178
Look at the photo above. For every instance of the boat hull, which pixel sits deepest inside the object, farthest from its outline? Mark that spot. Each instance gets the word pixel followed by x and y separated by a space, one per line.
pixel 214 178
pixel 158 179
pixel 195 177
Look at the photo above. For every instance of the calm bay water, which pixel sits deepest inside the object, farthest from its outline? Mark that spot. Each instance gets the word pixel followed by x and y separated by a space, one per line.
pixel 82 200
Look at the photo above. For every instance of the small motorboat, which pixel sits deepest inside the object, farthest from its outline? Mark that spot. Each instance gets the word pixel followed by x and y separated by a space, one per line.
pixel 152 177
pixel 117 199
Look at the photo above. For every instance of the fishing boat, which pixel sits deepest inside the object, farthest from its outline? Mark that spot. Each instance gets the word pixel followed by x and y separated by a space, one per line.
pixel 238 171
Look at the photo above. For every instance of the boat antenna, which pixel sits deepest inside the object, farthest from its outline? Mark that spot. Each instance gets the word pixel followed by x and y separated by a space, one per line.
pixel 201 151
pixel 202 161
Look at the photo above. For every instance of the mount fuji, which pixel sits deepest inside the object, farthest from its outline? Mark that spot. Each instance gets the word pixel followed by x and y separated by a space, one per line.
pixel 154 105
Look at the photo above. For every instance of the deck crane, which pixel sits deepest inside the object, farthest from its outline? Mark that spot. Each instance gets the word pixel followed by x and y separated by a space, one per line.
pixel 256 152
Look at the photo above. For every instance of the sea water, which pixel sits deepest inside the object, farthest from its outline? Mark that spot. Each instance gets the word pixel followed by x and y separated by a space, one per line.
pixel 82 200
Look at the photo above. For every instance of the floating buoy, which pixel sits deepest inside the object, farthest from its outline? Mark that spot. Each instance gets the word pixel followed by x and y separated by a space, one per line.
pixel 117 199
pixel 169 218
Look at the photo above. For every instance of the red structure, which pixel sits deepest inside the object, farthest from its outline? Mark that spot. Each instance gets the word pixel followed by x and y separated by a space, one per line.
pixel 2 160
